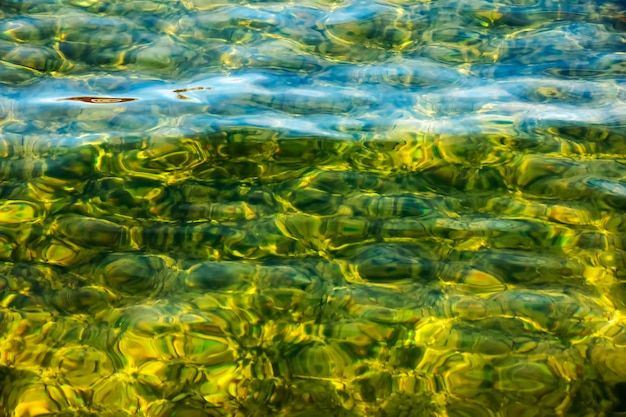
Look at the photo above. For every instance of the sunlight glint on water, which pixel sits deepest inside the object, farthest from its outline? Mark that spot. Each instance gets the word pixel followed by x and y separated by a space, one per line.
pixel 302 209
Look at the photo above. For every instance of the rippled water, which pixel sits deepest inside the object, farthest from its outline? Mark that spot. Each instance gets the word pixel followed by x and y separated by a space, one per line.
pixel 349 208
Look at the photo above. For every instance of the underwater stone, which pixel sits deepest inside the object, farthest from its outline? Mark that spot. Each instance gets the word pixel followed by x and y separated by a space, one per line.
pixel 387 263
pixel 133 274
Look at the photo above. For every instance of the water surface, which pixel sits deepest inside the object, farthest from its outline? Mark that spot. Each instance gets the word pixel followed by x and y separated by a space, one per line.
pixel 312 208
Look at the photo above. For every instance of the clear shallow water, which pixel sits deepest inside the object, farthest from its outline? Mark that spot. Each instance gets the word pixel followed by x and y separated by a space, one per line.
pixel 343 209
